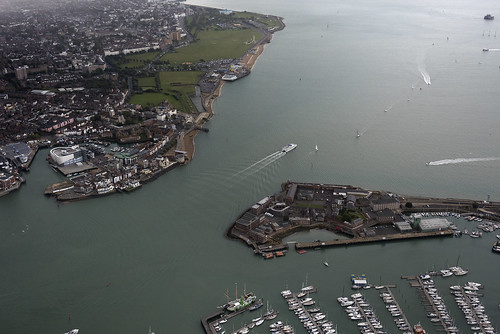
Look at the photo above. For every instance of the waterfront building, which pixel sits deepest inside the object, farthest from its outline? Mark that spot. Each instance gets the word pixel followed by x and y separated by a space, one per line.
pixel 7 181
pixel 18 153
pixel 436 224
pixel 64 156
pixel 383 201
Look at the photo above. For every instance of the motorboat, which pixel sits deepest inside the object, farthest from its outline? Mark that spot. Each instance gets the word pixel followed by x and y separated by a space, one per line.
pixel 288 148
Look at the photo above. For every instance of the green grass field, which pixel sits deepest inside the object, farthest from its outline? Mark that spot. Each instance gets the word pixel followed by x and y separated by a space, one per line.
pixel 148 99
pixel 177 87
pixel 146 82
pixel 269 21
pixel 139 60
pixel 214 45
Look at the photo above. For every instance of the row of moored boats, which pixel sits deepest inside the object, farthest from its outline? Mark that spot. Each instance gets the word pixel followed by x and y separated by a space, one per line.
pixel 468 301
pixel 442 316
pixel 313 320
pixel 358 309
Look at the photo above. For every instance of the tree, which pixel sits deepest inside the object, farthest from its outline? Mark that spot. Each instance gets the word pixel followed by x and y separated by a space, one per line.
pixel 475 205
pixel 409 205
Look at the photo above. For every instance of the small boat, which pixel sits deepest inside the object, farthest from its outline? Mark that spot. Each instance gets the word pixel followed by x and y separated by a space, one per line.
pixel 288 148
pixel 73 331
pixel 257 305
pixel 498 236
pixel 489 17
pixel 259 322
pixel 316 148
pixel 358 134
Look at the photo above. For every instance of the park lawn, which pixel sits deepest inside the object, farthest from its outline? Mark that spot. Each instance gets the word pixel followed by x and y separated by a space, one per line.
pixel 213 44
pixel 246 15
pixel 268 21
pixel 136 60
pixel 146 82
pixel 148 99
pixel 132 64
pixel 144 57
pixel 179 86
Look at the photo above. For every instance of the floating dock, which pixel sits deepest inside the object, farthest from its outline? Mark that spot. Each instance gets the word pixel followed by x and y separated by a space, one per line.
pixel 430 303
pixel 394 302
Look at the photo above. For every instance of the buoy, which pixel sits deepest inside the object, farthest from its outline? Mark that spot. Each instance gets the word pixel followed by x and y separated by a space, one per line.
pixel 420 88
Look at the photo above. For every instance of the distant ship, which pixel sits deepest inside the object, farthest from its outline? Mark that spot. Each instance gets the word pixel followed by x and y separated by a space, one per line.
pixel 288 148
pixel 489 17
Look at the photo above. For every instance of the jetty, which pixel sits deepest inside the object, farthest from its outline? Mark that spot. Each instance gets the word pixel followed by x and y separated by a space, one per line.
pixel 211 321
pixel 433 302
pixel 377 238
pixel 389 299
pixel 312 319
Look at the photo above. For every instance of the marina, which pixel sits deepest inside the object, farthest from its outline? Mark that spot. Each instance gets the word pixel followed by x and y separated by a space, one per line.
pixel 393 307
pixel 312 319
pixel 358 309
pixel 433 303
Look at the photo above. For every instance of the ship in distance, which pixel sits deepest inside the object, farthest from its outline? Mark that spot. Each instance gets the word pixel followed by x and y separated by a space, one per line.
pixel 288 148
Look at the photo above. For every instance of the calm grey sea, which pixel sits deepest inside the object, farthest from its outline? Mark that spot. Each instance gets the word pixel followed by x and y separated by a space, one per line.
pixel 409 76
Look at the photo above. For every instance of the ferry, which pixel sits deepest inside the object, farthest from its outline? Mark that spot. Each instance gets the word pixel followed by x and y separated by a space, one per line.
pixel 288 148
pixel 229 77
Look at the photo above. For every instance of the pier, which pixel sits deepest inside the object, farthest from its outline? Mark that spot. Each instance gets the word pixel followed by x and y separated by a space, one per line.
pixel 311 318
pixel 354 241
pixel 394 302
pixel 433 303
pixel 209 322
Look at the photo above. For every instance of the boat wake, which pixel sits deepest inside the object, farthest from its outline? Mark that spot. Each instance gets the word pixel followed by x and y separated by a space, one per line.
pixel 459 161
pixel 262 163
pixel 425 76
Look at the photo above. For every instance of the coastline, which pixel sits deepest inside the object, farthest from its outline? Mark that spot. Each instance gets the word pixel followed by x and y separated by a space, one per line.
pixel 248 61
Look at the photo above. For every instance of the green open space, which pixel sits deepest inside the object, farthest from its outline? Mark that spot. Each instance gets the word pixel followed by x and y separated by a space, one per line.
pixel 212 44
pixel 146 83
pixel 269 21
pixel 176 87
pixel 179 85
pixel 148 99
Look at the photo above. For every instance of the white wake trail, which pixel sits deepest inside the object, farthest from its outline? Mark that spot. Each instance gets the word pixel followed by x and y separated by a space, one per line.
pixel 459 161
pixel 261 161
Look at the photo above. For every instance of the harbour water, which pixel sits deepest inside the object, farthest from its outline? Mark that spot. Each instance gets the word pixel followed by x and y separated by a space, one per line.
pixel 157 257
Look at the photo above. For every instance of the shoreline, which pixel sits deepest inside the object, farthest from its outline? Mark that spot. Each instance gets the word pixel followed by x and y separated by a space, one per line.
pixel 248 60
pixel 265 225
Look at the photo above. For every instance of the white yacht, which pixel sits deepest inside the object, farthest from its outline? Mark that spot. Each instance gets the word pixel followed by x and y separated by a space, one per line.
pixel 288 148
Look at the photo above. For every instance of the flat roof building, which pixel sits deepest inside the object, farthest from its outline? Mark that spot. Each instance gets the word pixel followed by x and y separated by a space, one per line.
pixel 435 224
